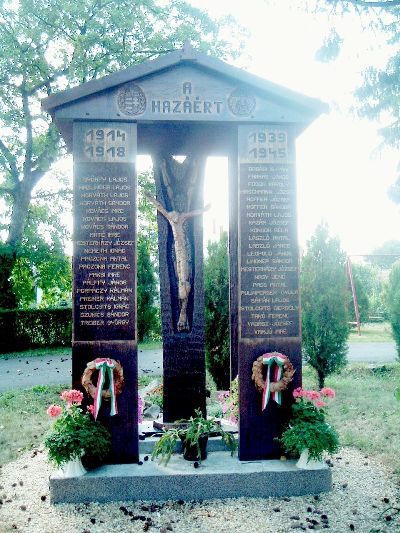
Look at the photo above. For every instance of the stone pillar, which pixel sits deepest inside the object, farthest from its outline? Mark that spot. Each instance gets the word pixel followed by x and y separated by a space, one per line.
pixel 268 289
pixel 104 268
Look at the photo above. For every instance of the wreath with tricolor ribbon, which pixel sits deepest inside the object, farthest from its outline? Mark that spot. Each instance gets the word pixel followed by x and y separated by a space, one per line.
pixel 283 375
pixel 113 369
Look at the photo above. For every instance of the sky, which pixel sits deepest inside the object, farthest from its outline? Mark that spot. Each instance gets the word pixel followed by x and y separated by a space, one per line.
pixel 341 176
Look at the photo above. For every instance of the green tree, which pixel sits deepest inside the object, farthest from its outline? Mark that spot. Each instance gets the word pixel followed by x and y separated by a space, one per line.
pixel 386 255
pixel 41 259
pixel 323 301
pixel 48 46
pixel 373 286
pixel 216 288
pixel 393 303
pixel 148 323
pixel 148 308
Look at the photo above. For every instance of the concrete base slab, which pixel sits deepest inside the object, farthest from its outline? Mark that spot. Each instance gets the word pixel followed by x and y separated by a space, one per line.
pixel 219 476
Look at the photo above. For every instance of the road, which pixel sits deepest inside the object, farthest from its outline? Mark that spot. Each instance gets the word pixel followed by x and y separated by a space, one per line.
pixel 31 371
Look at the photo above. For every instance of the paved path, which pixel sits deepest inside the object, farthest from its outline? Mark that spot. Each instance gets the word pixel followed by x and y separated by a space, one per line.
pixel 31 371
pixel 372 352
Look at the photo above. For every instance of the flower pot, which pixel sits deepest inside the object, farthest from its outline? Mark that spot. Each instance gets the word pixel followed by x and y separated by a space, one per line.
pixel 190 453
pixel 72 468
pixel 308 464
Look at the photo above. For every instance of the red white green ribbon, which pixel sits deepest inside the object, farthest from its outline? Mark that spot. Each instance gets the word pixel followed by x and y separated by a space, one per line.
pixel 104 366
pixel 268 359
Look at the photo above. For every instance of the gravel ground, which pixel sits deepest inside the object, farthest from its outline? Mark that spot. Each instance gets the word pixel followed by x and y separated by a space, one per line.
pixel 363 499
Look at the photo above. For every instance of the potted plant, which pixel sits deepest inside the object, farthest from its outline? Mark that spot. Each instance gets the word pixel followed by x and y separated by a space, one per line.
pixel 75 434
pixel 307 434
pixel 193 434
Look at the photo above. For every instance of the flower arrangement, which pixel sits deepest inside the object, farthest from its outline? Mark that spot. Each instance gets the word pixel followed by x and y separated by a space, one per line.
pixel 307 428
pixel 75 432
pixel 193 435
pixel 229 401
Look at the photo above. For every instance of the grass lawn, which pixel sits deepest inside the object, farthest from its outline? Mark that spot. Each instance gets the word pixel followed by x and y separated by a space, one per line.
pixel 365 411
pixel 372 332
pixel 23 419
pixel 66 351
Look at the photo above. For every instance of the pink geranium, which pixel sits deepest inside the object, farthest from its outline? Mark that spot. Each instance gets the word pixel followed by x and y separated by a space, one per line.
pixel 328 392
pixel 311 394
pixel 90 409
pixel 319 403
pixel 54 410
pixel 298 393
pixel 72 396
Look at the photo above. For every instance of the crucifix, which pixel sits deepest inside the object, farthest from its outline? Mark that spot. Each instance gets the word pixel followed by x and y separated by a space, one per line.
pixel 177 218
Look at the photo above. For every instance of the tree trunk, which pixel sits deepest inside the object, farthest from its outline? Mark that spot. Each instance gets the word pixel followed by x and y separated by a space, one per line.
pixel 7 262
pixel 321 379
pixel 8 252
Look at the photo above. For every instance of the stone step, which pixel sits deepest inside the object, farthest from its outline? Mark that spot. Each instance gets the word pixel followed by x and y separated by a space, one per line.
pixel 219 476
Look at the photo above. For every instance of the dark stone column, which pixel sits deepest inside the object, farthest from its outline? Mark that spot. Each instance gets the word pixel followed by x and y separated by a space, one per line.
pixel 268 312
pixel 183 357
pixel 104 268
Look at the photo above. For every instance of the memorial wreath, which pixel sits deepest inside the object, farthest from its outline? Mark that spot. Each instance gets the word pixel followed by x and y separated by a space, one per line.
pixel 116 377
pixel 284 372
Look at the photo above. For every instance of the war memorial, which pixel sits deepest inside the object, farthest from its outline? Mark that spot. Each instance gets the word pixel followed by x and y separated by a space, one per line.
pixel 188 104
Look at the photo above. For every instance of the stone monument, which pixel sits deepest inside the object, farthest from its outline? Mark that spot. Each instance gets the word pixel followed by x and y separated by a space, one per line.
pixel 186 104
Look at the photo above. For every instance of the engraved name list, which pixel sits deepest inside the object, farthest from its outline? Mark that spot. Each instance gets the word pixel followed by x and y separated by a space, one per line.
pixel 104 233
pixel 269 298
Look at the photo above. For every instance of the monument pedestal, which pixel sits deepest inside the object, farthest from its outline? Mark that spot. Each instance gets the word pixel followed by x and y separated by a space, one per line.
pixel 219 476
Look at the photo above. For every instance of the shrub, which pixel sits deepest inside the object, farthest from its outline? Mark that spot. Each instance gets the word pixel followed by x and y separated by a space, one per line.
pixel 216 288
pixel 34 328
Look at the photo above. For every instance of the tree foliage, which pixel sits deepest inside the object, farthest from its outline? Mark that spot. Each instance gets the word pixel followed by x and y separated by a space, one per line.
pixel 48 46
pixel 372 281
pixel 148 322
pixel 386 255
pixel 323 299
pixel 41 258
pixel 393 303
pixel 148 309
pixel 216 288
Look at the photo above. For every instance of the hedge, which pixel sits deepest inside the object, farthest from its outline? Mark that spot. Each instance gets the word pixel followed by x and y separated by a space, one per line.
pixel 34 328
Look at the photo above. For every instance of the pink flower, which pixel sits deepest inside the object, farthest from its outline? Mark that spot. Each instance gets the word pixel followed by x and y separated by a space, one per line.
pixel 140 409
pixel 90 409
pixel 311 394
pixel 224 408
pixel 327 391
pixel 72 396
pixel 319 403
pixel 54 410
pixel 298 393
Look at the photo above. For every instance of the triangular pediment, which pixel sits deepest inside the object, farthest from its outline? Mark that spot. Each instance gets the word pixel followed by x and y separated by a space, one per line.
pixel 184 85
